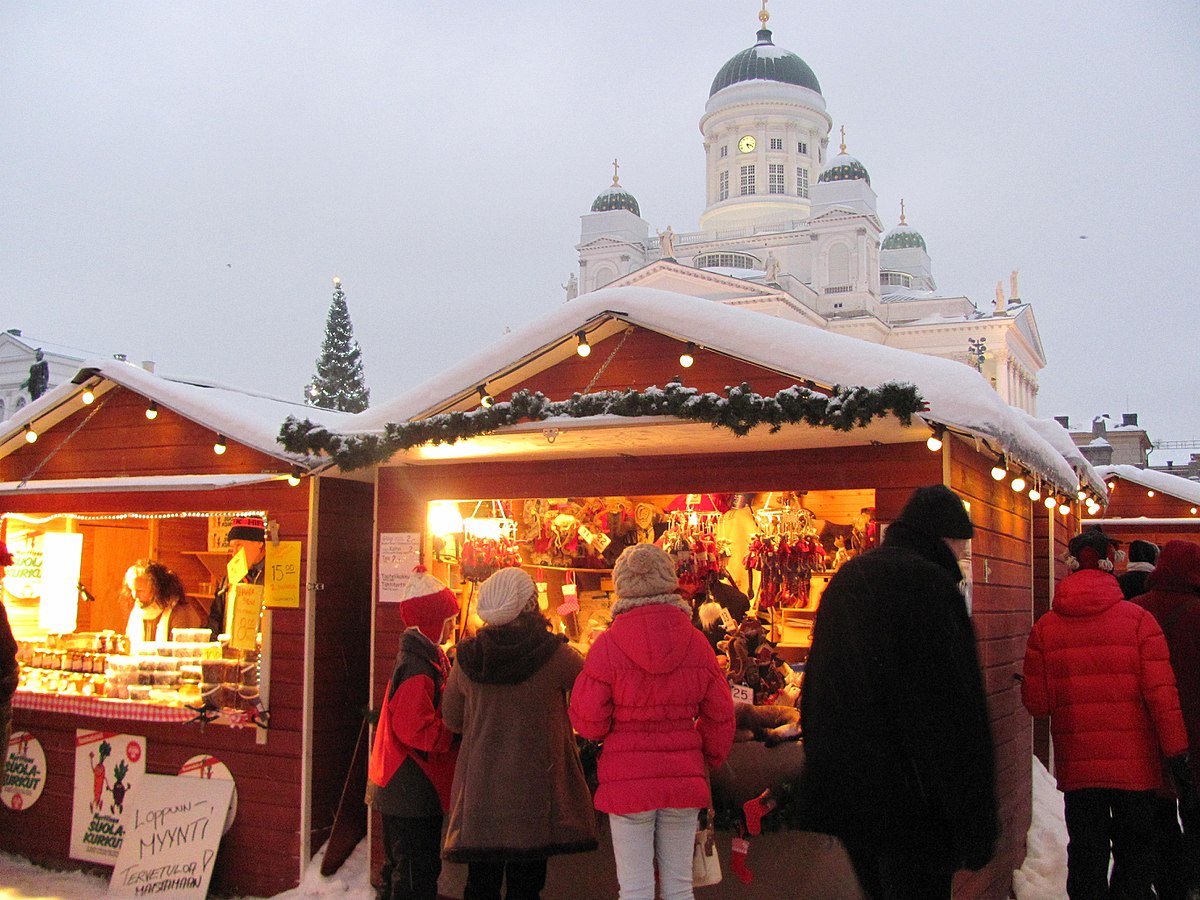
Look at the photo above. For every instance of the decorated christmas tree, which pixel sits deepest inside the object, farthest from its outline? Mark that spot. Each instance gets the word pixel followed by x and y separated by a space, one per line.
pixel 339 382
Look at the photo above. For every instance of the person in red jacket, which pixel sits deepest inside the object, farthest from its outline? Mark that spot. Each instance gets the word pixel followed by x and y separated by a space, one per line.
pixel 652 691
pixel 1173 598
pixel 1098 666
pixel 413 755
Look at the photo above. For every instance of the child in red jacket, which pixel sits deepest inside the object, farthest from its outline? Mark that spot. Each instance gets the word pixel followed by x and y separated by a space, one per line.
pixel 652 691
pixel 413 755
pixel 1098 665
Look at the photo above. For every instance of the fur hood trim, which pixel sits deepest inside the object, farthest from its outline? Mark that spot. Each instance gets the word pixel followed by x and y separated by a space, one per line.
pixel 624 604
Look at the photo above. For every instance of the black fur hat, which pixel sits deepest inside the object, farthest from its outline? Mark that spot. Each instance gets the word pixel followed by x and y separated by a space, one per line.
pixel 939 511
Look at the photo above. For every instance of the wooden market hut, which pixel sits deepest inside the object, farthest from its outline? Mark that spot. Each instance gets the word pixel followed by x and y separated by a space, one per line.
pixel 1149 505
pixel 137 486
pixel 427 451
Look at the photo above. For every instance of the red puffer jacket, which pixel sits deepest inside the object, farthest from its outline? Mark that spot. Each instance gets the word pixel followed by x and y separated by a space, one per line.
pixel 1098 665
pixel 652 691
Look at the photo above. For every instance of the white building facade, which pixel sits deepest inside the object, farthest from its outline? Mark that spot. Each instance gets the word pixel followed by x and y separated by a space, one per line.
pixel 793 231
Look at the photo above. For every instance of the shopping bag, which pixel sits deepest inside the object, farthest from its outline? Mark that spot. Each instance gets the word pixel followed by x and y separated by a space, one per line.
pixel 706 865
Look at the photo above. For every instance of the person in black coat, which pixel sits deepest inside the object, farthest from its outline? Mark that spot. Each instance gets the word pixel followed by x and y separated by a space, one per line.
pixel 1143 555
pixel 899 760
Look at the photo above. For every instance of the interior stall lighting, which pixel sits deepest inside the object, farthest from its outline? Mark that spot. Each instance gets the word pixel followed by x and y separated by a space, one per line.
pixel 1018 483
pixel 688 356
pixel 152 411
pixel 445 518
pixel 486 400
pixel 935 440
pixel 999 470
pixel 219 446
pixel 31 436
pixel 1051 501
pixel 294 478
pixel 583 348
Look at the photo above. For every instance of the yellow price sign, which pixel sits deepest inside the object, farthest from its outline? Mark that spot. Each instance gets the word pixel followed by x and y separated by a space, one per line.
pixel 281 574
pixel 247 600
pixel 236 568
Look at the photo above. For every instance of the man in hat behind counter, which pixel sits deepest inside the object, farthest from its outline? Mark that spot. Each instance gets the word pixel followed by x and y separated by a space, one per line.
pixel 249 534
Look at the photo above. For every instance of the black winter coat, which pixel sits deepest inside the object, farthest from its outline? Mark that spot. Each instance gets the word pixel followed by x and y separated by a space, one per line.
pixel 898 747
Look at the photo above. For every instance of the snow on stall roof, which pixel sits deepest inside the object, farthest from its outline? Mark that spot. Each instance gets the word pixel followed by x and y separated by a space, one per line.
pixel 1163 482
pixel 1060 439
pixel 247 417
pixel 957 395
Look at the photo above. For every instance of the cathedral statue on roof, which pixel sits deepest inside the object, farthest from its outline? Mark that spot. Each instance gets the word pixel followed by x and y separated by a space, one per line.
pixel 791 229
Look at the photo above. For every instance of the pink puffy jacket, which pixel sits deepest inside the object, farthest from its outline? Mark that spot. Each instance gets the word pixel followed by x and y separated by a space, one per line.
pixel 1098 665
pixel 651 690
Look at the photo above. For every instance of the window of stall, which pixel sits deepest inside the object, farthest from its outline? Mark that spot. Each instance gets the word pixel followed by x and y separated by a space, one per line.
pixel 767 555
pixel 121 607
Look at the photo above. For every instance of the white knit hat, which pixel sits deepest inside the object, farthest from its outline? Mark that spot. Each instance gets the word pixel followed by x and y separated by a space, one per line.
pixel 505 595
pixel 644 570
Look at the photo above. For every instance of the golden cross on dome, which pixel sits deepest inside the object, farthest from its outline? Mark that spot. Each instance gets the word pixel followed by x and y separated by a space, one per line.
pixel 763 15
pixel 843 139
pixel 615 167
pixel 902 222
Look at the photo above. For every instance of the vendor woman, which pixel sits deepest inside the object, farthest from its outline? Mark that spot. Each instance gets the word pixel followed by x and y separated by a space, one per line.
pixel 161 604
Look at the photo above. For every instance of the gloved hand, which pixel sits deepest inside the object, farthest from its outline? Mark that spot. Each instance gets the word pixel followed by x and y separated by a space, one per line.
pixel 1185 785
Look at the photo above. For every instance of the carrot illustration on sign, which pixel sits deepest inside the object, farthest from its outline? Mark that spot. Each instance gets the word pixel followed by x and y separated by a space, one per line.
pixel 99 776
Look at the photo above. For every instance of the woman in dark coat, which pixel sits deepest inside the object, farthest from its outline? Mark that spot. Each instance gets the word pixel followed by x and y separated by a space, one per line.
pixel 519 793
pixel 899 761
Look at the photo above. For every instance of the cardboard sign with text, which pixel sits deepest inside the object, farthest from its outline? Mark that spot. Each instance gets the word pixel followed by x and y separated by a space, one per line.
pixel 246 601
pixel 171 838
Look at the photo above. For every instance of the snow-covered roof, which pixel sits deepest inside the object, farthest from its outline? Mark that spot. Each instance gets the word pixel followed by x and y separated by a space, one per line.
pixel 1163 482
pixel 956 394
pixel 247 417
pixel 51 347
pixel 1060 439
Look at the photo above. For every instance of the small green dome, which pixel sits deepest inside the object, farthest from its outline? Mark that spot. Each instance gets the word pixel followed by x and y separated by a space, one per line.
pixel 766 62
pixel 844 167
pixel 616 197
pixel 902 237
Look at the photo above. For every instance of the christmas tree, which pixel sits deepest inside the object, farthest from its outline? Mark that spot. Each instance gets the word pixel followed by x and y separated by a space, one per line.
pixel 339 382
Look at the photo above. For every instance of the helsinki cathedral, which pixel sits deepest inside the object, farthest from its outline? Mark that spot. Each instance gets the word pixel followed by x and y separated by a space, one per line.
pixel 790 229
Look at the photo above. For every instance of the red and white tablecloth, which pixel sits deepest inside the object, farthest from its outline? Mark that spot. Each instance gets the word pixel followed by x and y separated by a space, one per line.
pixel 101 707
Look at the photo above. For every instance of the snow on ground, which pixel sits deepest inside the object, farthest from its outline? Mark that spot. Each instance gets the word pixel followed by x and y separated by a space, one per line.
pixel 1042 877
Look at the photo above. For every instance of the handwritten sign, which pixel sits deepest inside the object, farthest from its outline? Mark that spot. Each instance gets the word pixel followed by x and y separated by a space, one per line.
pixel 24 773
pixel 399 552
pixel 109 767
pixel 236 568
pixel 171 840
pixel 281 575
pixel 246 601
pixel 205 766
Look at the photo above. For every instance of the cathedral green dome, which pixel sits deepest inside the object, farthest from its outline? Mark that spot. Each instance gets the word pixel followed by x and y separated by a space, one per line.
pixel 765 62
pixel 902 237
pixel 844 167
pixel 616 197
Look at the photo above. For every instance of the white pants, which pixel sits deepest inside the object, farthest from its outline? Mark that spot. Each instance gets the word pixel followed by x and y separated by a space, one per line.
pixel 662 836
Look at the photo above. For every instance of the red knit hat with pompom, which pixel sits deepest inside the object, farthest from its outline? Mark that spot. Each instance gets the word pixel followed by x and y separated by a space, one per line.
pixel 427 604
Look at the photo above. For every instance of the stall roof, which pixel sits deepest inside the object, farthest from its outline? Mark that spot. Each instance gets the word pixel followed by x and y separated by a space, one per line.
pixel 247 417
pixel 134 483
pixel 957 395
pixel 1060 439
pixel 1163 482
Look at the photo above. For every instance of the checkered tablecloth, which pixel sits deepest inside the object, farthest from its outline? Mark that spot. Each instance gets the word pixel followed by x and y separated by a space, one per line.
pixel 100 707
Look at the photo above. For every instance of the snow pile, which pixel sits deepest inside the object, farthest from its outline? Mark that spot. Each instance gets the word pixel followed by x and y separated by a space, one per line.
pixel 1043 875
pixel 25 881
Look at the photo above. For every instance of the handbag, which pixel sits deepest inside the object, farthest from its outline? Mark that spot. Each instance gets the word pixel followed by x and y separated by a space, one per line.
pixel 706 865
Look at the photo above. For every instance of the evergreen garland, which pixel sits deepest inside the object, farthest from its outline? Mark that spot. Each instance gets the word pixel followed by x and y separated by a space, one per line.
pixel 740 411
pixel 339 382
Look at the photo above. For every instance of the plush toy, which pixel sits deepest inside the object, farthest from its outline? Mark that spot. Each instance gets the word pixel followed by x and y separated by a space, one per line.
pixel 772 725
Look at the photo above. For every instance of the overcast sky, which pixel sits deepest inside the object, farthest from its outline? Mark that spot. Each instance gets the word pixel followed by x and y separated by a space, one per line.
pixel 180 181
